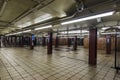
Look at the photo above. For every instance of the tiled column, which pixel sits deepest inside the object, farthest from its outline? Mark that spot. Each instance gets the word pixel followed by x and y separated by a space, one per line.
pixel 11 41
pixel 15 41
pixel 21 41
pixel 31 42
pixel 75 43
pixel 35 41
pixel 0 41
pixel 93 46
pixel 49 43
pixel 69 42
pixel 56 42
pixel 108 44
pixel 43 41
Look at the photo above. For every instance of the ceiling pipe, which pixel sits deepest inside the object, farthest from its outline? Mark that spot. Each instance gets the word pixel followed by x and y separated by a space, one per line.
pixel 72 16
pixel 31 10
pixel 68 17
pixel 3 7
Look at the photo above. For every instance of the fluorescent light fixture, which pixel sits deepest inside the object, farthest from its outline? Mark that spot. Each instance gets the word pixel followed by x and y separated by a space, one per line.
pixel 111 33
pixel 104 28
pixel 89 18
pixel 18 32
pixel 43 27
pixel 26 31
pixel 72 35
pixel 43 18
pixel 118 27
pixel 75 31
pixel 24 25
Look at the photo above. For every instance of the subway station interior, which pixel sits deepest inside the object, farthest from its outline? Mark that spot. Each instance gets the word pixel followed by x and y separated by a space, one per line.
pixel 59 39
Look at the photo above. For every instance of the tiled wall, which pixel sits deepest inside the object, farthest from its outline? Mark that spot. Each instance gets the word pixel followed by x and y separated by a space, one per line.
pixel 101 43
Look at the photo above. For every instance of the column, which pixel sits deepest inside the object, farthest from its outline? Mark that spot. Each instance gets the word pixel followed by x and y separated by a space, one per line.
pixel 108 44
pixel 69 42
pixel 0 41
pixel 21 41
pixel 43 41
pixel 49 43
pixel 75 43
pixel 8 40
pixel 93 46
pixel 57 42
pixel 32 38
pixel 11 41
pixel 15 41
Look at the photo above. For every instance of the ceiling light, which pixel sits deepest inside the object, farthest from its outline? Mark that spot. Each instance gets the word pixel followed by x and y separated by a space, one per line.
pixel 75 31
pixel 24 25
pixel 89 18
pixel 118 27
pixel 43 18
pixel 111 33
pixel 26 31
pixel 23 32
pixel 43 27
pixel 104 28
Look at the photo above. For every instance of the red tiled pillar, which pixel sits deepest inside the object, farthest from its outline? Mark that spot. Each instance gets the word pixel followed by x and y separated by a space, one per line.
pixel 108 44
pixel 43 41
pixel 21 41
pixel 49 43
pixel 75 43
pixel 11 41
pixel 56 42
pixel 69 42
pixel 15 41
pixel 31 42
pixel 93 46
pixel 0 41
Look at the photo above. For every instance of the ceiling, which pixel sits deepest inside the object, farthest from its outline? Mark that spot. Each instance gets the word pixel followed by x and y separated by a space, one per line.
pixel 16 14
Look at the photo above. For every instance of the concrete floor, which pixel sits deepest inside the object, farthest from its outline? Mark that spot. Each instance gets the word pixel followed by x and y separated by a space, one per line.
pixel 25 64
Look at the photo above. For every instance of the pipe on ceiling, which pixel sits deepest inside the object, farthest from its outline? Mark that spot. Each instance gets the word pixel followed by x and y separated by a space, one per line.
pixel 3 7
pixel 68 17
pixel 31 10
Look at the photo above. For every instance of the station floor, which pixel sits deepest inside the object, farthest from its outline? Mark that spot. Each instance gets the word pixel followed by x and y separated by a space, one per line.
pixel 25 64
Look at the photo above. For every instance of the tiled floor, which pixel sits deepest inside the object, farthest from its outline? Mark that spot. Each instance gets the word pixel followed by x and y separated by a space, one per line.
pixel 25 64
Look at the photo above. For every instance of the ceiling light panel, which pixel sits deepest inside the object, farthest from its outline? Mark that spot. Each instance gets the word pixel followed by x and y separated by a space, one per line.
pixel 43 18
pixel 89 18
pixel 43 27
pixel 75 31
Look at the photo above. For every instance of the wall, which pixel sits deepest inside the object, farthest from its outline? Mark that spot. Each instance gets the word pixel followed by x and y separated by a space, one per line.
pixel 101 43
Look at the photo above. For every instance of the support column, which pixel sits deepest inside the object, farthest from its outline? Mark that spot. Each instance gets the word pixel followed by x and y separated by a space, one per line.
pixel 21 41
pixel 32 38
pixel 0 41
pixel 15 41
pixel 11 41
pixel 43 41
pixel 69 42
pixel 8 40
pixel 35 41
pixel 75 43
pixel 56 42
pixel 108 44
pixel 93 46
pixel 49 43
